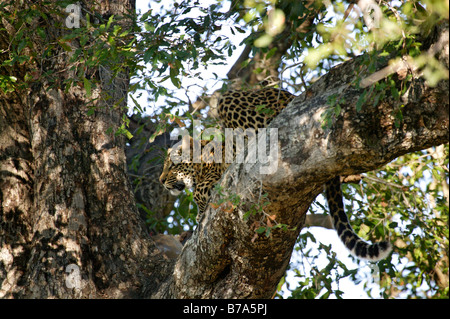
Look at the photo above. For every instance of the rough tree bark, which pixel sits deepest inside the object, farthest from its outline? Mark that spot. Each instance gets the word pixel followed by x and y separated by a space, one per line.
pixel 66 200
pixel 69 225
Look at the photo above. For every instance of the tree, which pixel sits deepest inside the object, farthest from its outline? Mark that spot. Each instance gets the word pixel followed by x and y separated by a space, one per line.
pixel 70 225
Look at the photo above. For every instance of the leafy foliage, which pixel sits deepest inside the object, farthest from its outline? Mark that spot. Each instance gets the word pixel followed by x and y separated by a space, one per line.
pixel 407 202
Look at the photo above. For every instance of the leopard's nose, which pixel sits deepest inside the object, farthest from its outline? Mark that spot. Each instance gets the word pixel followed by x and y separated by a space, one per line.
pixel 162 180
pixel 179 185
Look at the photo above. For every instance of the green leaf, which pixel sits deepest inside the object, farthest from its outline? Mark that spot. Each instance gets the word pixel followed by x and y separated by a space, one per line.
pixel 66 47
pixel 395 93
pixel 136 104
pixel 173 77
pixel 40 31
pixel 398 118
pixel 377 98
pixel 148 27
pixel 393 225
pixel 263 41
pixel 337 110
pixel 361 101
pixel 87 87
pixel 110 20
pixel 271 52
pixel 90 112
pixel 261 230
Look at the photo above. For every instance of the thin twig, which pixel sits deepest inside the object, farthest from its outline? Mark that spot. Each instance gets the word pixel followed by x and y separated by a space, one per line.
pixel 380 180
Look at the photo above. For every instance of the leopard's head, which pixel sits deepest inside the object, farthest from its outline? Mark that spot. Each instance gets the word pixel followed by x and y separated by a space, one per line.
pixel 177 175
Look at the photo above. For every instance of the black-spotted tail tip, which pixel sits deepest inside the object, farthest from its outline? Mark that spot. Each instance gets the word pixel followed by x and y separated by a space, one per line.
pixel 372 252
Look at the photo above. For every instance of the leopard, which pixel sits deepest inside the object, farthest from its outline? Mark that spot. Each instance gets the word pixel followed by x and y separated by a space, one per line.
pixel 255 109
pixel 201 175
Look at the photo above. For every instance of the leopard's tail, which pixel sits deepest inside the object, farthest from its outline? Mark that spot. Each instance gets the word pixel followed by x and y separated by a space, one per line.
pixel 357 246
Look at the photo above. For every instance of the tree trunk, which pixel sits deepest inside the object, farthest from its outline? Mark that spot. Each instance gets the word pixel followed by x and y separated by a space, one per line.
pixel 69 223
